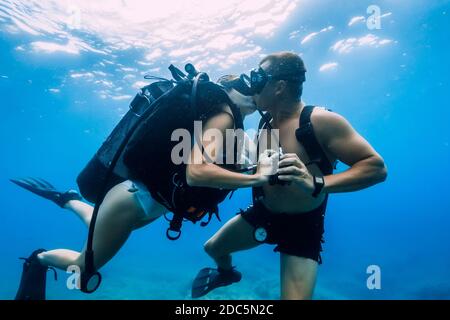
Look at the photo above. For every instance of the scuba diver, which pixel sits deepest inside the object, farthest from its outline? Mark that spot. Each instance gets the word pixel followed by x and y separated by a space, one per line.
pixel 142 196
pixel 289 210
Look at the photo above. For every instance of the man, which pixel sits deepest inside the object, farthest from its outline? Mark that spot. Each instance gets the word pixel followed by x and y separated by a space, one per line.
pixel 290 213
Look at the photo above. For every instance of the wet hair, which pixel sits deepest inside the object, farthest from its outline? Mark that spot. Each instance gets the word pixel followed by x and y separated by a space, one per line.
pixel 289 64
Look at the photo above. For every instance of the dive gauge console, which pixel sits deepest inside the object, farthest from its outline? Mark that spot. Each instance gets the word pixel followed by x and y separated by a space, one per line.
pixel 260 234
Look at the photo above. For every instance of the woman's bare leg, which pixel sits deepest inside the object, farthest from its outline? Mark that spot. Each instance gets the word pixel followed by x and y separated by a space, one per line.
pixel 81 209
pixel 118 216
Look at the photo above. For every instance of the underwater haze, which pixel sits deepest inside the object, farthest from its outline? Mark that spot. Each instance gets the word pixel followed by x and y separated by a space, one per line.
pixel 68 71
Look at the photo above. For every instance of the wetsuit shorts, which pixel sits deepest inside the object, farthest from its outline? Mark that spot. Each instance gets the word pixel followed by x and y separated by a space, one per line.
pixel 298 234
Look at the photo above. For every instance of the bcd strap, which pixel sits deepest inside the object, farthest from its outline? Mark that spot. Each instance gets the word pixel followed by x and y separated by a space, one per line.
pixel 265 120
pixel 306 136
pixel 193 214
pixel 257 192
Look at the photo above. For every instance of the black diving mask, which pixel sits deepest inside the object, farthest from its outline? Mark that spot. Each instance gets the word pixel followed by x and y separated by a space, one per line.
pixel 258 79
pixel 240 86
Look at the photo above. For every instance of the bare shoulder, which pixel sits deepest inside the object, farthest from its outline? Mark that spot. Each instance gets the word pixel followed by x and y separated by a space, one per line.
pixel 221 120
pixel 322 116
pixel 328 124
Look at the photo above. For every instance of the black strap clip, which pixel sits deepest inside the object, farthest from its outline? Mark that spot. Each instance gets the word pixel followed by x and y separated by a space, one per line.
pixel 212 213
pixel 174 230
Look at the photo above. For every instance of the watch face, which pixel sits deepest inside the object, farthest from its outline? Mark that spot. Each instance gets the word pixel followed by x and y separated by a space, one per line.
pixel 319 179
pixel 260 234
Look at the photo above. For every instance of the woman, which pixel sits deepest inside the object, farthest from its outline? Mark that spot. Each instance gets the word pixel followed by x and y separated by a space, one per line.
pixel 129 205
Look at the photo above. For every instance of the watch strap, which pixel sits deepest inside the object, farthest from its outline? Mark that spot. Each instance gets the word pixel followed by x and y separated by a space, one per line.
pixel 318 185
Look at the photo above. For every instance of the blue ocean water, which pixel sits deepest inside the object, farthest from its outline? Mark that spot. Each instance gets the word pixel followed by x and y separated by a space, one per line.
pixel 68 72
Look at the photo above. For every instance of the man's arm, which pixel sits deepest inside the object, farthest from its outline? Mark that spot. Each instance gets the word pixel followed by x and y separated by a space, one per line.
pixel 206 174
pixel 343 142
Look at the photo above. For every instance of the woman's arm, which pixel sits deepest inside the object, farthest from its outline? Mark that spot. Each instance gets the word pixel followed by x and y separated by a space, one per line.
pixel 201 172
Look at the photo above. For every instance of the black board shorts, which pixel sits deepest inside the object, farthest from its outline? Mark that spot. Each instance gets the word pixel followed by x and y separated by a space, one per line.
pixel 298 234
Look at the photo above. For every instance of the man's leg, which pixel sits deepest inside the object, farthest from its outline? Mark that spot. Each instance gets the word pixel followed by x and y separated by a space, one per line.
pixel 298 277
pixel 235 235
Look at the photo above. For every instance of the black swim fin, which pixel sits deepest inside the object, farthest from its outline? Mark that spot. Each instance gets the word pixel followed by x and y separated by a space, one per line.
pixel 34 278
pixel 209 279
pixel 46 190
